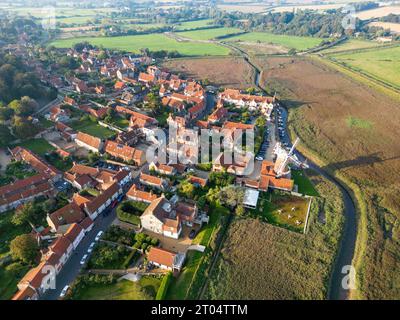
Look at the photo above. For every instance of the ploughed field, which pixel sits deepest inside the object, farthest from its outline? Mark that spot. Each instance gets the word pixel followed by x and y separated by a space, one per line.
pixel 354 130
pixel 261 261
pixel 227 72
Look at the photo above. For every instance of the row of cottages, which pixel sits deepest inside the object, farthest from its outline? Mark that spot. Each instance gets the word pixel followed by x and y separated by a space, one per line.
pixel 268 179
pixel 179 102
pixel 165 259
pixel 167 219
pixel 145 124
pixel 153 75
pixel 58 114
pixel 66 132
pixel 239 165
pixel 126 153
pixel 25 190
pixel 41 278
pixel 136 194
pixel 89 142
pixel 81 177
pixel 153 181
pixel 162 169
pixel 253 102
pixel 113 148
pixel 36 162
pixel 220 114
pixel 97 112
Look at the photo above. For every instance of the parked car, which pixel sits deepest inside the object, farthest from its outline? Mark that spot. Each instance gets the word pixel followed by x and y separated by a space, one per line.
pixel 91 247
pixel 83 260
pixel 98 236
pixel 64 291
pixel 259 158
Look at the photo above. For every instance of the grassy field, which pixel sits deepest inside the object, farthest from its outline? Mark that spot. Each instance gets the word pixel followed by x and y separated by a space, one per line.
pixel 298 43
pixel 260 261
pixel 194 24
pixel 303 182
pixel 351 44
pixel 141 26
pixel 349 129
pixel 39 146
pixel 150 41
pixel 208 34
pixel 92 128
pixel 276 208
pixel 145 289
pixel 9 281
pixel 382 64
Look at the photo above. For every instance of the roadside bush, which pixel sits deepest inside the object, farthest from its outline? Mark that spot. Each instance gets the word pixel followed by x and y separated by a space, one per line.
pixel 116 234
pixel 162 290
pixel 129 211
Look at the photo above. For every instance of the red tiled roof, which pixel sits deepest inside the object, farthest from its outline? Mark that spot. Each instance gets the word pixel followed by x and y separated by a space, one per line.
pixel 133 192
pixel 89 140
pixel 25 188
pixel 237 125
pixel 73 232
pixel 202 182
pixel 151 179
pixel 161 256
pixel 71 213
pixel 145 77
pixel 60 246
pixel 122 151
pixel 25 294
pixel 86 223
pixel 34 160
pixel 101 199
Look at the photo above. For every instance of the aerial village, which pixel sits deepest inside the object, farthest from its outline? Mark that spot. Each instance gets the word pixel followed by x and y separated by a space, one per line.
pixel 108 171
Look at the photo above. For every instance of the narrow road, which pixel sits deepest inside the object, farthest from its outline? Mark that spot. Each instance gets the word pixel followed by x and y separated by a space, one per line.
pixel 349 233
pixel 73 267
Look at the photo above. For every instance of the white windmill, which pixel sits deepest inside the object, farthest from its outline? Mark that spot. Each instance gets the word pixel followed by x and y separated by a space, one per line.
pixel 284 157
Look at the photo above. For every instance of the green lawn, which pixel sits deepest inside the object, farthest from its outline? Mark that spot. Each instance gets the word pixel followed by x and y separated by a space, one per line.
pixel 120 122
pixel 145 289
pixel 39 146
pixel 8 231
pixel 194 24
pixel 382 63
pixel 9 281
pixel 150 41
pixel 92 128
pixel 298 43
pixel 352 44
pixel 208 34
pixel 276 209
pixel 304 184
